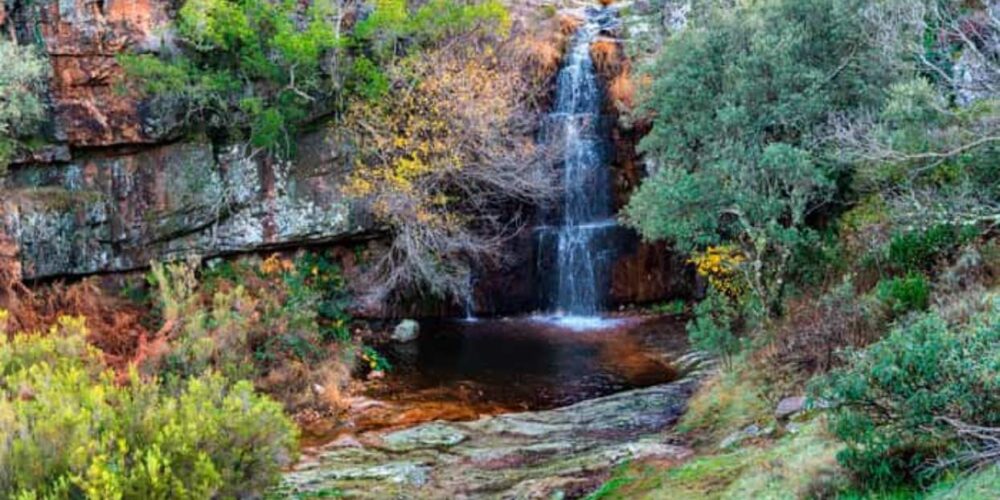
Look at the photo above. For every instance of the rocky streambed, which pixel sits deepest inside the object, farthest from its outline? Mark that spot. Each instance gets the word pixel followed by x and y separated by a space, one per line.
pixel 566 451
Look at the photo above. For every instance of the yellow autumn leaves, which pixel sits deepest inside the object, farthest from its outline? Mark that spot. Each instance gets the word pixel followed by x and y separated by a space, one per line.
pixel 440 115
pixel 719 264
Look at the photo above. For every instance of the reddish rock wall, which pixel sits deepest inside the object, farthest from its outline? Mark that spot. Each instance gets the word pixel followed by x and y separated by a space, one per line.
pixel 82 39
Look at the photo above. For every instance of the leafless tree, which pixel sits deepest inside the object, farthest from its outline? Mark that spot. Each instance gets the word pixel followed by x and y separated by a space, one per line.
pixel 449 164
pixel 982 445
pixel 866 139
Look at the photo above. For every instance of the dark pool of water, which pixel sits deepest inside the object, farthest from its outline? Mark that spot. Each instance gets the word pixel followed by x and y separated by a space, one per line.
pixel 530 363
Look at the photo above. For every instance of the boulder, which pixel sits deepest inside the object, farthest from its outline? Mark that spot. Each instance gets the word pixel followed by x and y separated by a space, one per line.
pixel 406 331
pixel 789 406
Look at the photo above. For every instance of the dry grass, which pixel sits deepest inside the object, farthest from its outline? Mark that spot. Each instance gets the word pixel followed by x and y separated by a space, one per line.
pixel 621 91
pixel 607 57
pixel 115 326
pixel 301 386
pixel 540 49
pixel 568 24
pixel 542 56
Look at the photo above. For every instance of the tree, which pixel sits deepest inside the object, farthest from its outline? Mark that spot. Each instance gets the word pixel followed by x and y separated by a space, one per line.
pixel 736 102
pixel 760 207
pixel 252 70
pixel 446 161
pixel 21 107
pixel 933 149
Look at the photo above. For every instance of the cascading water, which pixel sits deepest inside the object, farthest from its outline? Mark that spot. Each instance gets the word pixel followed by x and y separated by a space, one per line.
pixel 581 241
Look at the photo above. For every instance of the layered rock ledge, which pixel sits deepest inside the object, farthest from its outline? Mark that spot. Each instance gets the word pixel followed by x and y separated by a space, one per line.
pixel 565 452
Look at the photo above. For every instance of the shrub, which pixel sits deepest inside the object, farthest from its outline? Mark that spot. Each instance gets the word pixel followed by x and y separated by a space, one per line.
pixel 446 170
pixel 393 27
pixel 893 398
pixel 711 330
pixel 919 249
pixel 253 69
pixel 21 107
pixel 67 430
pixel 281 322
pixel 816 329
pixel 903 295
pixel 673 307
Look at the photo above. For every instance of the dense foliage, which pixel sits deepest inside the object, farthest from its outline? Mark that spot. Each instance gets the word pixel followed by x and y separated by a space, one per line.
pixel 830 167
pixel 281 322
pixel 21 105
pixel 737 103
pixel 446 159
pixel 252 68
pixel 442 160
pixel 902 403
pixel 69 430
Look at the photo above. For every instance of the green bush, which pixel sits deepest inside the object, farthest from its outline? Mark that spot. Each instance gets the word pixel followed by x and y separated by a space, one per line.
pixel 711 330
pixel 21 107
pixel 891 398
pixel 69 430
pixel 394 27
pixel 919 249
pixel 902 295
pixel 252 68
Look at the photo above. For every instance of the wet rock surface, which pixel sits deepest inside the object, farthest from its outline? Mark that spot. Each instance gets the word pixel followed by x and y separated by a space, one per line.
pixel 112 213
pixel 567 451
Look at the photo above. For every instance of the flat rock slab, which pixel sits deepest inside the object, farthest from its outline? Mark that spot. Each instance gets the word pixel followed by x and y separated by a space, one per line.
pixel 566 451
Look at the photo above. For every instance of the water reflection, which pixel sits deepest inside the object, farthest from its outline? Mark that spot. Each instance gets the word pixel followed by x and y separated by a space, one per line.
pixel 531 364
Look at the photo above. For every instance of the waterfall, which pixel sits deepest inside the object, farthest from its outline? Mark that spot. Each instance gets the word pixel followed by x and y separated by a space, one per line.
pixel 581 240
pixel 469 302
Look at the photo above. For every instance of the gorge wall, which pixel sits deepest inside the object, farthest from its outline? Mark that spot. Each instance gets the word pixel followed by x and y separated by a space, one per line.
pixel 116 181
pixel 116 184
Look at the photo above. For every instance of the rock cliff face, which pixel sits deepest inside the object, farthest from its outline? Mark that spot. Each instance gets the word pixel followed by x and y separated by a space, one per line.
pixel 82 39
pixel 117 182
pixel 115 187
pixel 117 211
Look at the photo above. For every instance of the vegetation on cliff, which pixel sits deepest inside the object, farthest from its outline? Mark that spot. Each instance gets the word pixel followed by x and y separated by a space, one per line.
pixel 21 108
pixel 433 105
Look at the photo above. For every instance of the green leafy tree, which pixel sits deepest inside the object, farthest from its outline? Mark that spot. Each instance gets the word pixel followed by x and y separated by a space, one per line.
pixel 760 206
pixel 395 28
pixel 736 102
pixel 21 107
pixel 249 69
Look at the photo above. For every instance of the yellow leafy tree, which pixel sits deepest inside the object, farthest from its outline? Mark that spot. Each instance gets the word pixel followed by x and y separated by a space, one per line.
pixel 443 161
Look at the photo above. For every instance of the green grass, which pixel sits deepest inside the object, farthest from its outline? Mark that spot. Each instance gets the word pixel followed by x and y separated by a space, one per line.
pixel 796 466
pixel 983 485
pixel 726 403
pixel 790 468
pixel 672 308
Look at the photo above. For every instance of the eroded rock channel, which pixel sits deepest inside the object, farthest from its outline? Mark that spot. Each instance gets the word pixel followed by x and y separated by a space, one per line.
pixel 567 450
